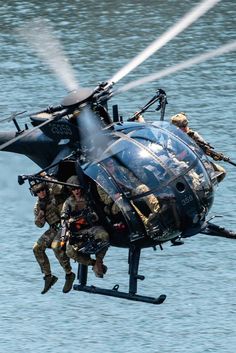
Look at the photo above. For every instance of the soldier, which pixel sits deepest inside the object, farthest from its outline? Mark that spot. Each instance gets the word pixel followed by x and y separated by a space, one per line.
pixel 83 226
pixel 180 120
pixel 111 203
pixel 47 210
pixel 127 181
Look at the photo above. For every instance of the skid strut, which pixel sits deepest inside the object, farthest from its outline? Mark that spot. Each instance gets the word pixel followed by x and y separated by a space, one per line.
pixel 134 257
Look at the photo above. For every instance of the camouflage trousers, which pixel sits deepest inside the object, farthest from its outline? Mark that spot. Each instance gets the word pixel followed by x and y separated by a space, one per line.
pixel 150 200
pixel 50 239
pixel 98 232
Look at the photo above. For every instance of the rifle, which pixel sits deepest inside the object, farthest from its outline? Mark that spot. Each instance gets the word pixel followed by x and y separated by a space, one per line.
pixel 217 156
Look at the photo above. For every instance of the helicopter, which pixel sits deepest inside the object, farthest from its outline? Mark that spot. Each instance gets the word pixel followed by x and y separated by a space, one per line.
pixel 81 137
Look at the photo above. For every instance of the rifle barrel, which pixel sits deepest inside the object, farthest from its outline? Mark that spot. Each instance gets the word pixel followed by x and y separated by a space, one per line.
pixel 231 162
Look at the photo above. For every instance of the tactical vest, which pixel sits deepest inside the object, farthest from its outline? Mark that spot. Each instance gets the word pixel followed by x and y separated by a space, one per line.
pixel 51 209
pixel 72 207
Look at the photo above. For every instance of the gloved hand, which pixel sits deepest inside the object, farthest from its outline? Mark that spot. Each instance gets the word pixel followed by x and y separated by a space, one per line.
pixel 216 158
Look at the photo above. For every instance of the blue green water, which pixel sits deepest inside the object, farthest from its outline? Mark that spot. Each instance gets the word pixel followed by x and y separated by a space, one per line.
pixel 199 278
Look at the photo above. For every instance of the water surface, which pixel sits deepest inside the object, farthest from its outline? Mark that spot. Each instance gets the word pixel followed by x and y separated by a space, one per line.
pixel 199 278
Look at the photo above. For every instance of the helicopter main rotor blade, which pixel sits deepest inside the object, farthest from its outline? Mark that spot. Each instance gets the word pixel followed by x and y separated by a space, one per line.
pixel 179 67
pixel 39 35
pixel 11 117
pixel 24 134
pixel 182 24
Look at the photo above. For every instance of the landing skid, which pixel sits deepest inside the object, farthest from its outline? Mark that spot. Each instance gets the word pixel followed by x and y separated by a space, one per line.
pixel 115 293
pixel 134 256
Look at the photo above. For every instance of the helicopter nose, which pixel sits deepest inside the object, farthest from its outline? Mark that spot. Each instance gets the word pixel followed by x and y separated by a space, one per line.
pixel 194 204
pixel 184 204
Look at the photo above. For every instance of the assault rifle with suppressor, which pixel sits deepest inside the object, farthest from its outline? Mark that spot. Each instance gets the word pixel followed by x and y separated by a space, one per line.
pixel 217 156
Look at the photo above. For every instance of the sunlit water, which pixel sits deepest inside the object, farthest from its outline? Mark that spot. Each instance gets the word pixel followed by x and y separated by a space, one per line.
pixel 199 278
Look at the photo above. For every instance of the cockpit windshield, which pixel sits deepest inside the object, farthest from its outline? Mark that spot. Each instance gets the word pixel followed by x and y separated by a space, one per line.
pixel 167 144
pixel 153 171
pixel 153 155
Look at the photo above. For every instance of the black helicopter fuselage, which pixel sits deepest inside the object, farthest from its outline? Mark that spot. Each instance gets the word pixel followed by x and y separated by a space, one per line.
pixel 164 181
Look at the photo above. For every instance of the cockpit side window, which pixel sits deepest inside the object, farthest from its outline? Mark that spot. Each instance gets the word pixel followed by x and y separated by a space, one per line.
pixel 134 166
pixel 171 151
pixel 114 200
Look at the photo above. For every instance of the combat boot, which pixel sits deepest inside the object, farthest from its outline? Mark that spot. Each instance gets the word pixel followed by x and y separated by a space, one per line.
pixel 99 269
pixel 49 281
pixel 69 282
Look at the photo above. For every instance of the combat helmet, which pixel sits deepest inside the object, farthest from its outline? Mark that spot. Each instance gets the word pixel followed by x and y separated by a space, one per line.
pixel 38 187
pixel 74 180
pixel 179 120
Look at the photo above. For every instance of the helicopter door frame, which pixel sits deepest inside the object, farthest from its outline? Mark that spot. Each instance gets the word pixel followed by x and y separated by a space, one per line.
pixel 131 216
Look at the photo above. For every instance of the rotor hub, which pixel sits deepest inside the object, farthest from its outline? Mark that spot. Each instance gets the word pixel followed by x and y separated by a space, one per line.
pixel 77 97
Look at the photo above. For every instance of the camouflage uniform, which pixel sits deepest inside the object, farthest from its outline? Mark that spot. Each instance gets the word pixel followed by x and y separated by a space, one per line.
pixel 71 209
pixel 199 141
pixel 127 180
pixel 181 121
pixel 111 206
pixel 50 238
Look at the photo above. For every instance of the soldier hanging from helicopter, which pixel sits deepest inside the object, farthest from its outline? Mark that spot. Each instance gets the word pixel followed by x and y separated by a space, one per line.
pixel 47 210
pixel 82 234
pixel 181 121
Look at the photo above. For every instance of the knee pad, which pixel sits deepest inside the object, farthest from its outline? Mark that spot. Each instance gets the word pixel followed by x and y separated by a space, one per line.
pixel 55 246
pixel 36 248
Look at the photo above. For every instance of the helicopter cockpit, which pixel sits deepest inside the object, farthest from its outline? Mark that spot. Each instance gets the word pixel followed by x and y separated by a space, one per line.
pixel 155 180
